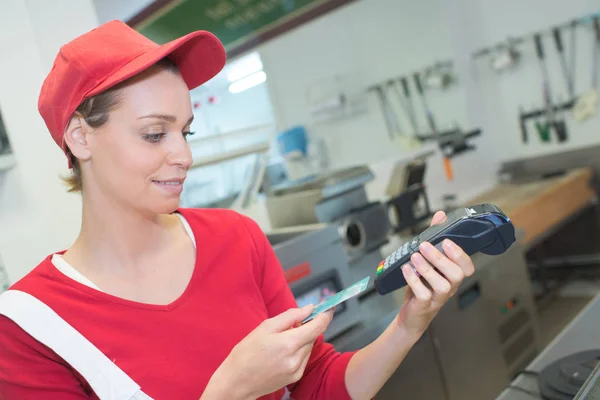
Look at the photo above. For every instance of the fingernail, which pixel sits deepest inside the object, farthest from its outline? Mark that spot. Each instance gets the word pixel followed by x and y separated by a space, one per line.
pixel 425 247
pixel 448 245
pixel 417 258
pixel 407 269
pixel 412 269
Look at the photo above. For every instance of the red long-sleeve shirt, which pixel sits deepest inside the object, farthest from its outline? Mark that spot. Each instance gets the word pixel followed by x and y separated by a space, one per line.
pixel 171 351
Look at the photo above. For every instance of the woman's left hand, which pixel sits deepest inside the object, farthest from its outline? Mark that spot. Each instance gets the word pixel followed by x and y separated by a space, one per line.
pixel 440 276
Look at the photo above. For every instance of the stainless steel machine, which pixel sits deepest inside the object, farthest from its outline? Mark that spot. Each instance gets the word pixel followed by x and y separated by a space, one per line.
pixel 481 337
pixel 573 352
pixel 294 203
pixel 316 266
pixel 335 198
pixel 327 235
pixel 489 330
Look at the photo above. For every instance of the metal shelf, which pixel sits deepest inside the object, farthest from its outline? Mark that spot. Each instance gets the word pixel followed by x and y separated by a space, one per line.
pixel 232 154
pixel 7 161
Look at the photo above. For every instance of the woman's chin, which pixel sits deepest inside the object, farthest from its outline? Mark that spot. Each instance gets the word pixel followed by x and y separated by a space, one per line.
pixel 165 206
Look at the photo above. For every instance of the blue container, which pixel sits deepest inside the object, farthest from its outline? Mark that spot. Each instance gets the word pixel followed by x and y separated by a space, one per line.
pixel 293 140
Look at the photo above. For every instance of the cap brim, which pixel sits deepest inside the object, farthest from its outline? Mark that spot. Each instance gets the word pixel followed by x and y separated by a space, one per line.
pixel 199 55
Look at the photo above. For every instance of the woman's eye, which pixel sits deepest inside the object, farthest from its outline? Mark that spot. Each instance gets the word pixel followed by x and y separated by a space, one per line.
pixel 154 137
pixel 186 134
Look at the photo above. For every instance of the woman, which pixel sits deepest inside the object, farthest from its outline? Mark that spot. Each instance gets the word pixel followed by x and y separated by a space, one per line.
pixel 178 303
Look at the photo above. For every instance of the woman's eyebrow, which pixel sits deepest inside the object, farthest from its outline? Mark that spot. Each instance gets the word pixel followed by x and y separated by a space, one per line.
pixel 166 117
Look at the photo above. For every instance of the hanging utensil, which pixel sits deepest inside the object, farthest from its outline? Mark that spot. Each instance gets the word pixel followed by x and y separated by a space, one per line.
pixel 585 107
pixel 389 115
pixel 523 125
pixel 567 72
pixel 559 123
pixel 428 113
pixel 572 56
pixel 552 121
pixel 439 76
pixel 506 57
pixel 409 142
pixel 410 109
pixel 430 120
pixel 543 128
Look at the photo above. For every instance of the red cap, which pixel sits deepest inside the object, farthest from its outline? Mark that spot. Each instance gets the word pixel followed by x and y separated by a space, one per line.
pixel 112 53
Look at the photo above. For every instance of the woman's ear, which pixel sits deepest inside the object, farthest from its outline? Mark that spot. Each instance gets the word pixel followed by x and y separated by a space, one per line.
pixel 76 138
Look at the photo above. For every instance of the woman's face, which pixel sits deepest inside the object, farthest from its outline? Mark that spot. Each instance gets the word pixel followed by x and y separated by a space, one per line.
pixel 140 157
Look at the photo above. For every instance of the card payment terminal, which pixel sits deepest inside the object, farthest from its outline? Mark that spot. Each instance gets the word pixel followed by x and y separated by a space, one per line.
pixel 481 228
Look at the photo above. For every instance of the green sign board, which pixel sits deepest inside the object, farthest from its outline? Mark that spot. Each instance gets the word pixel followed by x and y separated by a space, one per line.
pixel 234 22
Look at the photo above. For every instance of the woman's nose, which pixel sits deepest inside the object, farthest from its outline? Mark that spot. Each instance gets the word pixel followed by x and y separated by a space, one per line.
pixel 180 154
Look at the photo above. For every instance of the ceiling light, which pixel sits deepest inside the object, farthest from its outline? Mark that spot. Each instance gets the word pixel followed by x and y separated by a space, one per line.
pixel 244 67
pixel 248 82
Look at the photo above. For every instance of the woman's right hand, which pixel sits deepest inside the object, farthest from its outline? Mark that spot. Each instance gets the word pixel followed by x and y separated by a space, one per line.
pixel 272 356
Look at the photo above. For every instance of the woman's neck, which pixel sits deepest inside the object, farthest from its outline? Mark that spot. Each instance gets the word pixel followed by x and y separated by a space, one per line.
pixel 119 237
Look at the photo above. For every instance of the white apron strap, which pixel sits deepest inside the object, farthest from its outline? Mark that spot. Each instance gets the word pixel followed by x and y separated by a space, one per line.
pixel 107 380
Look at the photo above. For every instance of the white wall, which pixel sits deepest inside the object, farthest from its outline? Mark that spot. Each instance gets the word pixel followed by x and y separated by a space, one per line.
pixel 372 38
pixel 233 111
pixel 107 10
pixel 493 22
pixel 376 40
pixel 37 216
pixel 379 39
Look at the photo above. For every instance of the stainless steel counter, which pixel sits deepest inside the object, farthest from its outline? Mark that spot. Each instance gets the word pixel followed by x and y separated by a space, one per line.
pixel 471 340
pixel 583 333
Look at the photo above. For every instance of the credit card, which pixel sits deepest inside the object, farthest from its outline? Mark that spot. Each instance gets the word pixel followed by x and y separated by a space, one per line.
pixel 338 298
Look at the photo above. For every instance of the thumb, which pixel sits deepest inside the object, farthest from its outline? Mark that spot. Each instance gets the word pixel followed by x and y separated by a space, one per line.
pixel 438 218
pixel 288 319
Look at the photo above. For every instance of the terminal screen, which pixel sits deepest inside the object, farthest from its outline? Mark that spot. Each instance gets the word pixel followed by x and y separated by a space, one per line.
pixel 317 294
